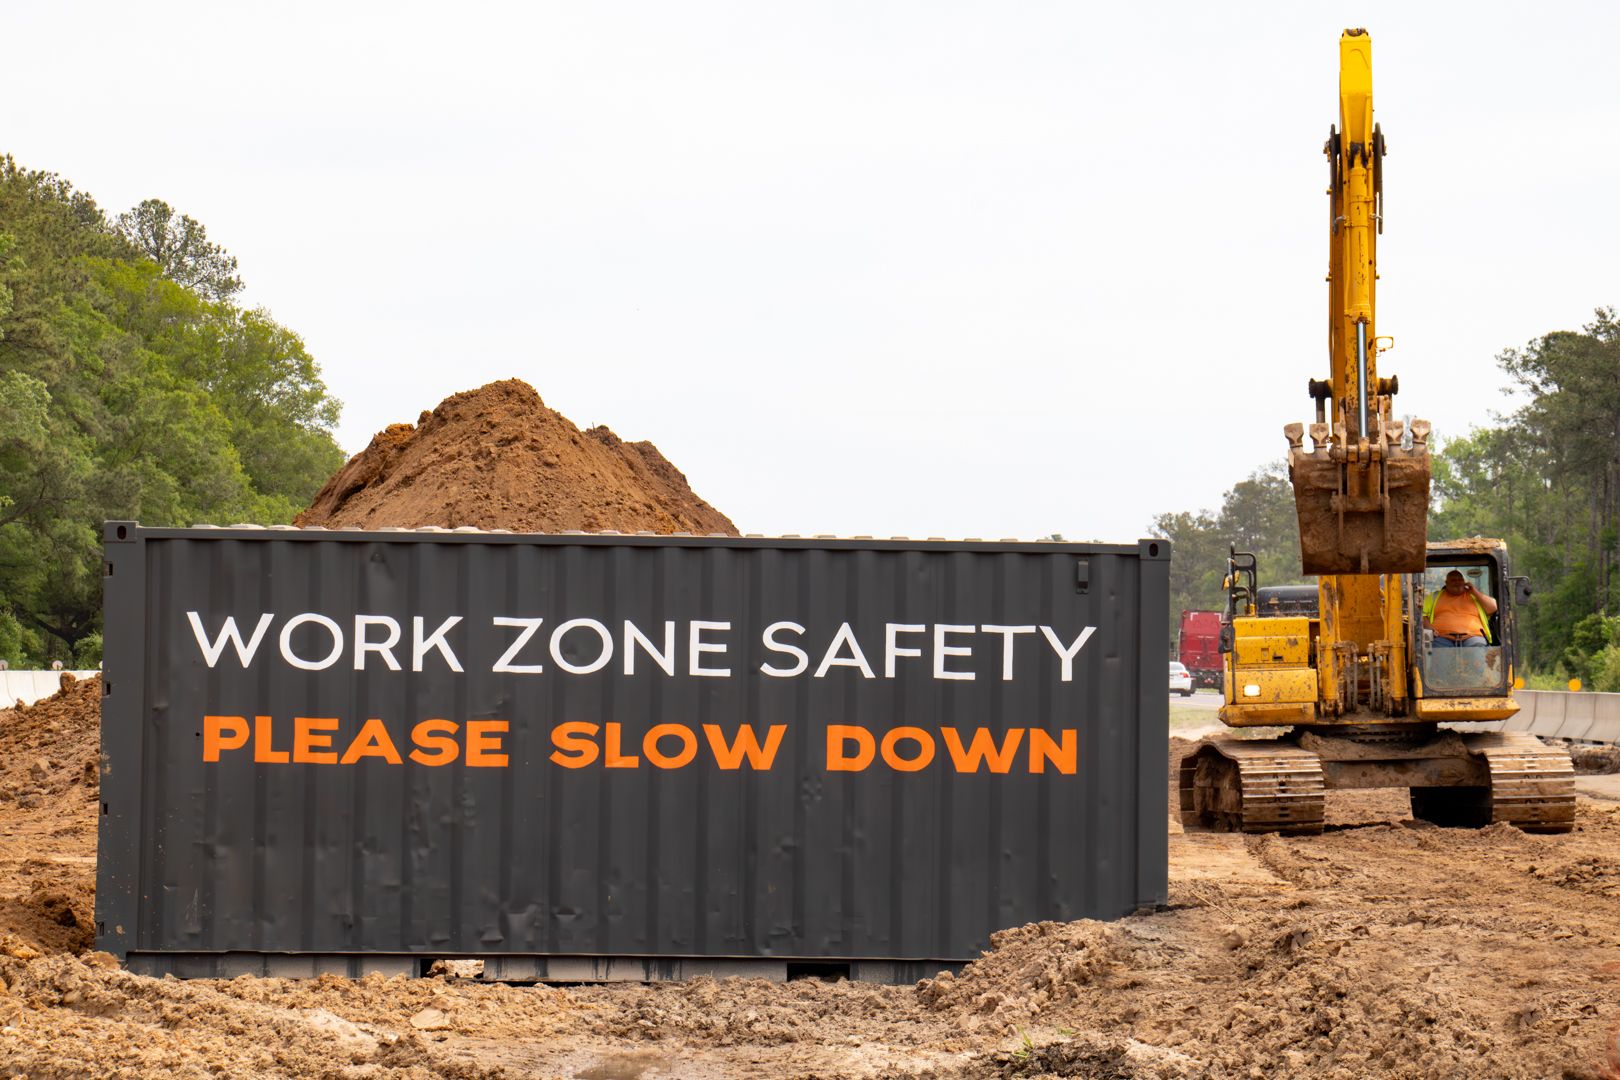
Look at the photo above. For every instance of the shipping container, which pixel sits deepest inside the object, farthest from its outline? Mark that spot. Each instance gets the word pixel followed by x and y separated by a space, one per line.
pixel 583 753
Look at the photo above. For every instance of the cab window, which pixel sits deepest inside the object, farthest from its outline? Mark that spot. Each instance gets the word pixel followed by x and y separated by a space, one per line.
pixel 1465 669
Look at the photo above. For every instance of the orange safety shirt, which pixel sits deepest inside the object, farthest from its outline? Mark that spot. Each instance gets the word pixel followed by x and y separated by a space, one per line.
pixel 1456 615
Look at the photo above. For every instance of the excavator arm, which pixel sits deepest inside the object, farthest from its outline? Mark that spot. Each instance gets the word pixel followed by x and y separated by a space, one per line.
pixel 1362 488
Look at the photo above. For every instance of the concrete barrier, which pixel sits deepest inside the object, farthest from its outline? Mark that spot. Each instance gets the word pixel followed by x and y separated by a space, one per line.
pixel 1559 714
pixel 27 687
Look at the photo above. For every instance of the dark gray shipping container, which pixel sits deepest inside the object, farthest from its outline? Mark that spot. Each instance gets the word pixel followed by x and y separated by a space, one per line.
pixel 352 751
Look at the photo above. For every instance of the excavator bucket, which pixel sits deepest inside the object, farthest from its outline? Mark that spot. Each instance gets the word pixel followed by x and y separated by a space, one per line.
pixel 1364 516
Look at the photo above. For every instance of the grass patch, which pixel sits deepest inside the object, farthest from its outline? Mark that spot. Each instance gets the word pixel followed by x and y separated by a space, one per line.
pixel 1185 716
pixel 1545 680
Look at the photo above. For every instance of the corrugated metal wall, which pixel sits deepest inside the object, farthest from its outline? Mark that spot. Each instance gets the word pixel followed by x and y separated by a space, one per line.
pixel 695 861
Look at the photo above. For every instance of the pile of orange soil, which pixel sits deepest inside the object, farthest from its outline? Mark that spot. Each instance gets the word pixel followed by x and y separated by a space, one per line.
pixel 498 458
pixel 49 784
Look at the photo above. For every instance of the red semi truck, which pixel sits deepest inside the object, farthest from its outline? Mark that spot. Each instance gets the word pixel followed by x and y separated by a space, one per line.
pixel 1198 646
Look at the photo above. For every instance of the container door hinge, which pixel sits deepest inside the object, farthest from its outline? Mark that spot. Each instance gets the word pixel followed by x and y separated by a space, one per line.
pixel 1082 575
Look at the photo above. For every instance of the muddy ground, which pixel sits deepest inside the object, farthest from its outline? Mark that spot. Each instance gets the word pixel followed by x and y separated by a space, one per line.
pixel 1384 948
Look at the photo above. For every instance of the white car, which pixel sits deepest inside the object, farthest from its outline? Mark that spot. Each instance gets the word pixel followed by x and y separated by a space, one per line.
pixel 1180 680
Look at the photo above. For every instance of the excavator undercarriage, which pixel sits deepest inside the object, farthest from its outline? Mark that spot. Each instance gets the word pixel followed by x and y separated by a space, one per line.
pixel 1457 780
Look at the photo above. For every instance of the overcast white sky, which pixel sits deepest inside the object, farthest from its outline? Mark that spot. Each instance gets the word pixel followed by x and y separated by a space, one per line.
pixel 953 269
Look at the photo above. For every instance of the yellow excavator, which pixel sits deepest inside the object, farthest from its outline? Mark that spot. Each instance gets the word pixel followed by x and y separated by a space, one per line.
pixel 1358 677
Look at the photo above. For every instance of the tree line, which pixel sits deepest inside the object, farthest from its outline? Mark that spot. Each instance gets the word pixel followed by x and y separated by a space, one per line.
pixel 1545 478
pixel 133 386
pixel 1256 515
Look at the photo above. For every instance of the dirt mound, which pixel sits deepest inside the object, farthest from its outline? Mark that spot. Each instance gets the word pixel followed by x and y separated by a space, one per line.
pixel 67 1017
pixel 1029 968
pixel 1595 760
pixel 55 914
pixel 52 747
pixel 49 786
pixel 498 458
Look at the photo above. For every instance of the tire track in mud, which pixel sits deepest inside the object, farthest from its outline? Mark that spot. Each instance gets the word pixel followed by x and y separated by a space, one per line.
pixel 1525 929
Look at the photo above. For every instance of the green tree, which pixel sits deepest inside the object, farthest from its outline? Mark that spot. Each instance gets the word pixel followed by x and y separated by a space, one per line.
pixel 19 645
pixel 1547 480
pixel 24 428
pixel 129 393
pixel 180 248
pixel 1197 560
pixel 1257 515
pixel 1574 413
pixel 1589 643
pixel 1606 670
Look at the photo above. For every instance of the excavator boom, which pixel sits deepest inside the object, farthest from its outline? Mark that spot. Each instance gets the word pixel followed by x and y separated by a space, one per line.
pixel 1362 488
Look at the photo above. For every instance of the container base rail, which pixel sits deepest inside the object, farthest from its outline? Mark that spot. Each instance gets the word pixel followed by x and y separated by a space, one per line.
pixel 533 969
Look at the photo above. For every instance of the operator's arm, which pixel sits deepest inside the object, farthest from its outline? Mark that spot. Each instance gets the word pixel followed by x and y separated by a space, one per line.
pixel 1486 602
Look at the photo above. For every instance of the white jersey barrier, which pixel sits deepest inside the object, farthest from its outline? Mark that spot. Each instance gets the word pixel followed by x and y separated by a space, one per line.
pixel 27 687
pixel 1558 714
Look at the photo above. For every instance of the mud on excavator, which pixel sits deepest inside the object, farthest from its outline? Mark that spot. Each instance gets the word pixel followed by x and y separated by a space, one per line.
pixel 1358 680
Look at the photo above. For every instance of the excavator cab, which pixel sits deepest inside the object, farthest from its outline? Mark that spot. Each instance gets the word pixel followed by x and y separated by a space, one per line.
pixel 1460 676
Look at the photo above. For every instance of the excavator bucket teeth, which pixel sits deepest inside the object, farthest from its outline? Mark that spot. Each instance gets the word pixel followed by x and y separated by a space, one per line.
pixel 1367 517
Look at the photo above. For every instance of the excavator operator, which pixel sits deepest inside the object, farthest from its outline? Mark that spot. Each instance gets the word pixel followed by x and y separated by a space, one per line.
pixel 1459 613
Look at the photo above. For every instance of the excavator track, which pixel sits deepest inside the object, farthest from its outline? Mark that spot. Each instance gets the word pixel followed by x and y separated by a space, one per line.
pixel 1531 786
pixel 1252 786
pixel 1272 786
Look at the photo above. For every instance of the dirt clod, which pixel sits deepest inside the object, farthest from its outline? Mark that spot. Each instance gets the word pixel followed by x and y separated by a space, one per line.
pixel 430 1020
pixel 1595 760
